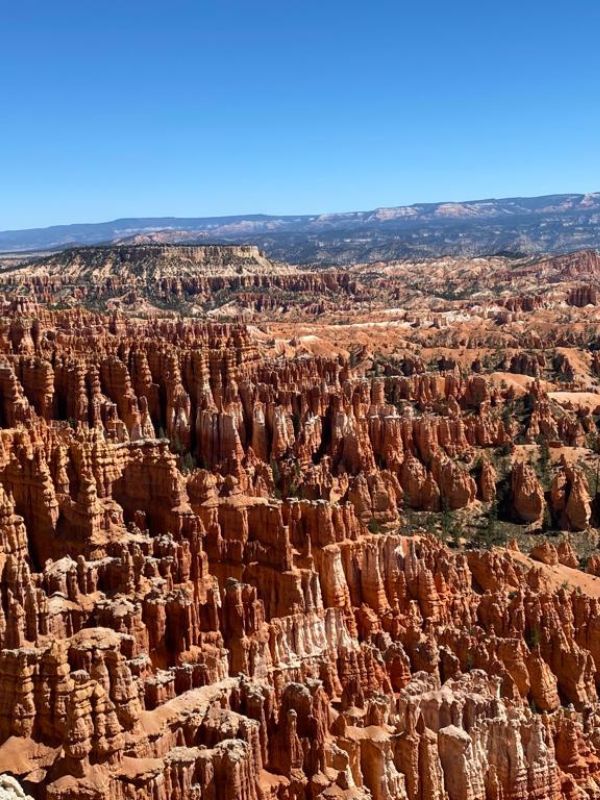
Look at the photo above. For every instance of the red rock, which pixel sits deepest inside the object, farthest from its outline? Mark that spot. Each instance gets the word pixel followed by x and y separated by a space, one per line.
pixel 232 609
pixel 527 494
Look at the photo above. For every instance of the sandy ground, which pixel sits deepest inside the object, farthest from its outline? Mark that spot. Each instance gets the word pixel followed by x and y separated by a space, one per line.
pixel 519 383
pixel 583 400
pixel 559 575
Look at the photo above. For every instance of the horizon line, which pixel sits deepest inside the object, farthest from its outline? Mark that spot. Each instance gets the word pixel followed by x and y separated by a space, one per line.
pixel 294 215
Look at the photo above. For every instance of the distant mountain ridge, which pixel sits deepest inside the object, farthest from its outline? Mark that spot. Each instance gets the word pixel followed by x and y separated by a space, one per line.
pixel 551 223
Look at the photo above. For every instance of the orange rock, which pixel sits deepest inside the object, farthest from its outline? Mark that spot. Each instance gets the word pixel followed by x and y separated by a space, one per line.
pixel 546 553
pixel 232 609
pixel 527 494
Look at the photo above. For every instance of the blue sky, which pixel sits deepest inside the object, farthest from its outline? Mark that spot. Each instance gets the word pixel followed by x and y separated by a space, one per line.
pixel 130 108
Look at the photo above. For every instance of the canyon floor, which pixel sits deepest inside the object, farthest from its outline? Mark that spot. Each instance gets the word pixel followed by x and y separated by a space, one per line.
pixel 295 533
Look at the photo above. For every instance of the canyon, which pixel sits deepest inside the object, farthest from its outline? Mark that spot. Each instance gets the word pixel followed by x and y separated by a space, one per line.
pixel 280 532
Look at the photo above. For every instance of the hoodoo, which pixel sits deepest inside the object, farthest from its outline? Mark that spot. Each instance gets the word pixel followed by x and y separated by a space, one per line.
pixel 275 533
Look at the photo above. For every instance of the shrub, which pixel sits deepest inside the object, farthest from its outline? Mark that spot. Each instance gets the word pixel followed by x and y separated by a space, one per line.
pixel 374 526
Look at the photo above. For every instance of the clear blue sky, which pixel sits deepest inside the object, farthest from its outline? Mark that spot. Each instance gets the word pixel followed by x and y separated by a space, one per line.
pixel 131 108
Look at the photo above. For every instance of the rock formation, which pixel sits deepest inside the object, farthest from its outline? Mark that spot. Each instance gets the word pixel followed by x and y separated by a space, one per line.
pixel 229 569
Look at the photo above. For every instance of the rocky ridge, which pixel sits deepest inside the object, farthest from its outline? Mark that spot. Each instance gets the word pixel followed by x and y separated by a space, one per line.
pixel 553 223
pixel 238 283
